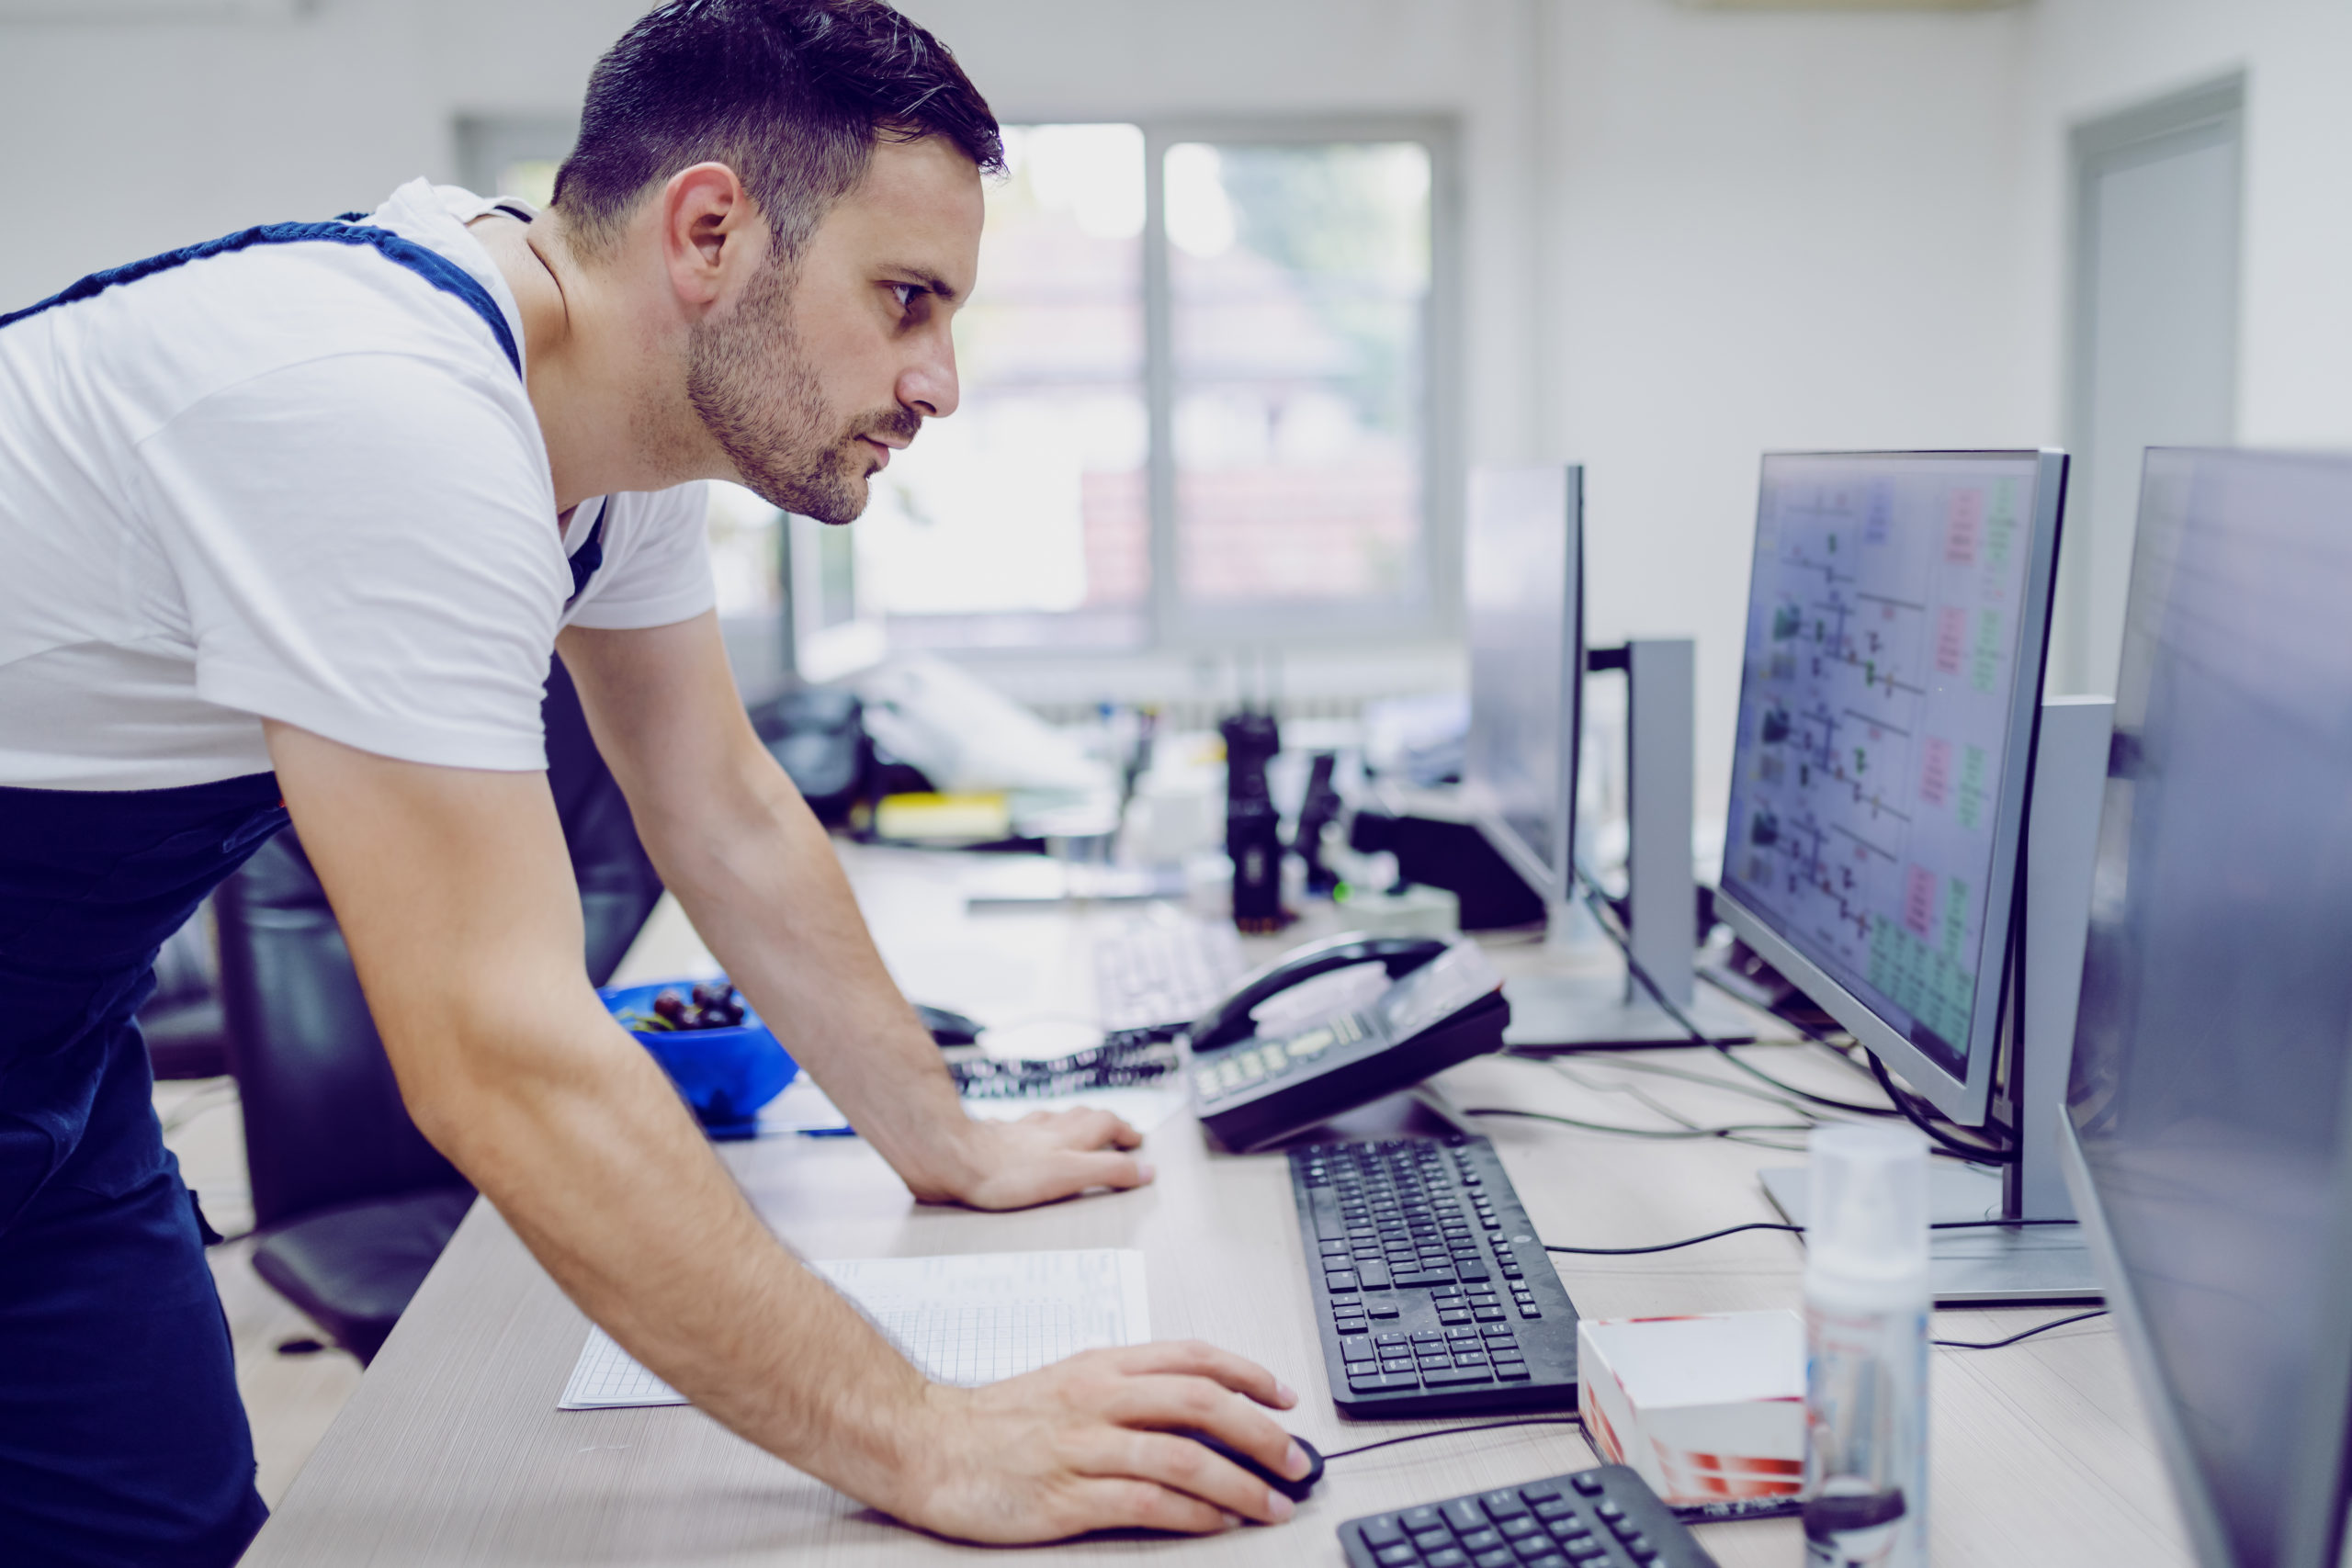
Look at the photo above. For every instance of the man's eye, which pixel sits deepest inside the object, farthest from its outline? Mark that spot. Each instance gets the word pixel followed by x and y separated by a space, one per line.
pixel 905 293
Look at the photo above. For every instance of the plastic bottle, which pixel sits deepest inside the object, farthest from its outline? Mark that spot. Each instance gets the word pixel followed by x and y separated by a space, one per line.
pixel 1866 1299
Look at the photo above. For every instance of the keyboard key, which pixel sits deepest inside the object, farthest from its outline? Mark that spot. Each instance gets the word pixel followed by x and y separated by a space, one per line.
pixel 1352 1326
pixel 1464 1515
pixel 1453 1319
pixel 1548 1507
pixel 1608 1509
pixel 1472 1271
pixel 1589 1485
pixel 1498 1332
pixel 1403 1364
pixel 1384 1530
pixel 1338 1282
pixel 1549 1559
pixel 1447 1557
pixel 1503 1505
pixel 1374 1275
pixel 1354 1350
pixel 1511 1371
pixel 1482 1540
pixel 1382 1311
pixel 1435 1539
pixel 1396 1556
pixel 1531 1548
pixel 1463 1332
pixel 1536 1491
pixel 1570 1529
pixel 1455 1377
pixel 1499 1557
pixel 1586 1550
pixel 1390 1339
pixel 1638 1547
pixel 1413 1521
pixel 1488 1314
pixel 1426 1335
pixel 1521 1527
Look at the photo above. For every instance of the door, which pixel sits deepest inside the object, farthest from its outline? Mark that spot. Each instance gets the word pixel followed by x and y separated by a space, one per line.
pixel 2155 343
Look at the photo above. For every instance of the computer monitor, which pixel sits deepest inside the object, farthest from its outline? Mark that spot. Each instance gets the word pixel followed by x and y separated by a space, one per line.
pixel 2207 1136
pixel 1897 622
pixel 1523 598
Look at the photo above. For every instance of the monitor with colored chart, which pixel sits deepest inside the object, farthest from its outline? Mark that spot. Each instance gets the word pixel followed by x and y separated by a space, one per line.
pixel 1892 680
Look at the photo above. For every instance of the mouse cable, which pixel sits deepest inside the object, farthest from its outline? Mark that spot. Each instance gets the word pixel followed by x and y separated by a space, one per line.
pixel 1794 1230
pixel 1606 919
pixel 2037 1328
pixel 1460 1431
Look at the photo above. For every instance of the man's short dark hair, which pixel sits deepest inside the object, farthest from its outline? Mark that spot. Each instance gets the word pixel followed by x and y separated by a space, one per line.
pixel 792 95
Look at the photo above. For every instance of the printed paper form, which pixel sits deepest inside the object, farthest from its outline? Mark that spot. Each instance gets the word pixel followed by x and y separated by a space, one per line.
pixel 964 1320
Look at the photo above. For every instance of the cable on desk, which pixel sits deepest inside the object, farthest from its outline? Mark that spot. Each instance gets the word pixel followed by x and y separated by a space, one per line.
pixel 1607 920
pixel 1798 1230
pixel 2037 1328
pixel 1671 1245
pixel 1457 1432
pixel 1733 1133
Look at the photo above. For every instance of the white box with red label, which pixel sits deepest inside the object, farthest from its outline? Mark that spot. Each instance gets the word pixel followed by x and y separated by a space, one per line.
pixel 1709 1409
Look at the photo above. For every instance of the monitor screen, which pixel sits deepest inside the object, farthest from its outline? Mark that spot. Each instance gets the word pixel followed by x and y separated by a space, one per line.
pixel 1522 563
pixel 1893 663
pixel 2208 1092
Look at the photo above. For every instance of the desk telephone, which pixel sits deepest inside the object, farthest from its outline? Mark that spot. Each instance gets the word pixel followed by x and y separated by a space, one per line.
pixel 1443 1005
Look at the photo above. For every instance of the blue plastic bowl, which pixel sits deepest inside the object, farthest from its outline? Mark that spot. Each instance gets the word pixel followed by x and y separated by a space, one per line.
pixel 726 1075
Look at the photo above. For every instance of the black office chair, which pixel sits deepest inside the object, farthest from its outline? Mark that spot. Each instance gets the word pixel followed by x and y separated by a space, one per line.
pixel 351 1205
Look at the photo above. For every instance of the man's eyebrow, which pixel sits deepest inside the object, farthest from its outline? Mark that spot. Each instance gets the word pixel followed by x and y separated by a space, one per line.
pixel 931 282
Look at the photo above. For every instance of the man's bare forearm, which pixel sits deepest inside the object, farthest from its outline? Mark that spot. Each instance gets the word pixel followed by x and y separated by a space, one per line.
pixel 589 1156
pixel 766 891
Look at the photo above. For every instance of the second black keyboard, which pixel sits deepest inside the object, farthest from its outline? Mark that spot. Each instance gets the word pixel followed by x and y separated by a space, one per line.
pixel 1433 1294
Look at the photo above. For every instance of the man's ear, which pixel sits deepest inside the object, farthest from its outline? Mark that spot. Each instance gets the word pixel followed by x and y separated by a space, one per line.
pixel 709 232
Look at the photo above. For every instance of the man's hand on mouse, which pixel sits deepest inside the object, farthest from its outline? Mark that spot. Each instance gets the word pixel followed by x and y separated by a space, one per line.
pixel 1045 1155
pixel 1090 1444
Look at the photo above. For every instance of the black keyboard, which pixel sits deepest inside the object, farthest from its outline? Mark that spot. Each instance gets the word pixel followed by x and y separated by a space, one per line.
pixel 1595 1518
pixel 1434 1296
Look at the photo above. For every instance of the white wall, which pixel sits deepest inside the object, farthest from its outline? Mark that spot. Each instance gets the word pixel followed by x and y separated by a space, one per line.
pixel 1770 230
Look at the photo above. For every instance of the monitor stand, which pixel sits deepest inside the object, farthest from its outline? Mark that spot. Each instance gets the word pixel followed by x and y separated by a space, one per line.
pixel 1976 1267
pixel 1584 1012
pixel 2043 1262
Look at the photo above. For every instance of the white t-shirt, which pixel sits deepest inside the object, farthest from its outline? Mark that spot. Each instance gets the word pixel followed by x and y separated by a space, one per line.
pixel 296 481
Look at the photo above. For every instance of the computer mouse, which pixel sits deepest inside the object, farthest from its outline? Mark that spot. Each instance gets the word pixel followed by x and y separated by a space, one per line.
pixel 1297 1491
pixel 947 1028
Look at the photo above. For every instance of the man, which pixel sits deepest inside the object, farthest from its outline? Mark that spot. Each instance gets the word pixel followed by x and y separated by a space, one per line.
pixel 298 517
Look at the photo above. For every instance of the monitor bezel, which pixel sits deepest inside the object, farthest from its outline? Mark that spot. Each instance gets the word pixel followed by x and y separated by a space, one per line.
pixel 1965 1097
pixel 1553 882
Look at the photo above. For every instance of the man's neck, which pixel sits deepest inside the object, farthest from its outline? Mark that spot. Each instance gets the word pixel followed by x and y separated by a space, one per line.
pixel 594 381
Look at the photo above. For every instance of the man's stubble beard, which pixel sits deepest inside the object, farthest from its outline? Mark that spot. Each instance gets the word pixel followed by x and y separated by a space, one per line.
pixel 753 385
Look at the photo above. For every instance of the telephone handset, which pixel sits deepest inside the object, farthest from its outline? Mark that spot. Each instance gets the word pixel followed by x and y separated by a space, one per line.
pixel 1443 1005
pixel 1228 1022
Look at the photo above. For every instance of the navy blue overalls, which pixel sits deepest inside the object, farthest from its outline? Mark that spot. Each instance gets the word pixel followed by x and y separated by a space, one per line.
pixel 122 1441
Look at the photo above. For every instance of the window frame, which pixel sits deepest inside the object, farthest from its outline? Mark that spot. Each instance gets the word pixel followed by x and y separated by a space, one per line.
pixel 1180 627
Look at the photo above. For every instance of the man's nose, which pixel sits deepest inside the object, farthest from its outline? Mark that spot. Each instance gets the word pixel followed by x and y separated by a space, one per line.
pixel 929 385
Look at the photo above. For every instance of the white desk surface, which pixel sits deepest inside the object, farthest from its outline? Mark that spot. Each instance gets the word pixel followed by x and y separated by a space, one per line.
pixel 452 1451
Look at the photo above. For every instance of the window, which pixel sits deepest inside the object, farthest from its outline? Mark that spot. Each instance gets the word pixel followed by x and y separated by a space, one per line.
pixel 1193 405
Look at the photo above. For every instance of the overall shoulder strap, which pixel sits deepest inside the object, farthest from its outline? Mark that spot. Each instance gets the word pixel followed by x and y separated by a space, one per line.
pixel 427 262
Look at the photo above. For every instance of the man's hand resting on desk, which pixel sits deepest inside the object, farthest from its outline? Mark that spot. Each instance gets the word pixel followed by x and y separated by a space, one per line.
pixel 1045 1155
pixel 1088 1444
